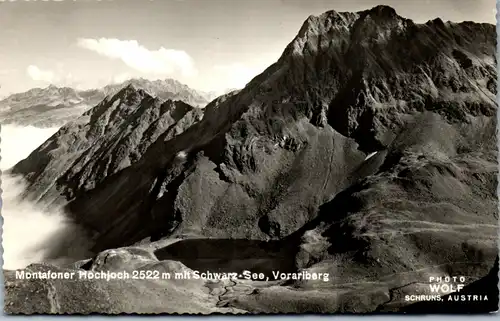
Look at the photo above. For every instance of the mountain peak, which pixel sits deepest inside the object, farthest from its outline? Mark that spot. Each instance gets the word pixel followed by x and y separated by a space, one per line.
pixel 340 20
pixel 364 55
pixel 131 94
pixel 129 87
pixel 383 11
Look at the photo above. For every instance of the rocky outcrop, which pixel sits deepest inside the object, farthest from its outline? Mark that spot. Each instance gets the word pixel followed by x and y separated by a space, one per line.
pixel 283 160
pixel 143 287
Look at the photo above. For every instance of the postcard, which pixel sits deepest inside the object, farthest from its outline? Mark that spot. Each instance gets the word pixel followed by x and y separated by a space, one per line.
pixel 249 157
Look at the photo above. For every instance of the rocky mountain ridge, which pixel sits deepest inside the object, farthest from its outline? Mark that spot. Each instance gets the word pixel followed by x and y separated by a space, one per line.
pixel 107 138
pixel 283 161
pixel 165 89
pixel 55 106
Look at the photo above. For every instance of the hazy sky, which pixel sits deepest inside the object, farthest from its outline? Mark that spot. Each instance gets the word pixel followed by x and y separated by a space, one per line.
pixel 207 44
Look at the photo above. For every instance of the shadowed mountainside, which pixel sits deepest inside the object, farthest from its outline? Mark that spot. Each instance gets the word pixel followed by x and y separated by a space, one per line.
pixel 283 160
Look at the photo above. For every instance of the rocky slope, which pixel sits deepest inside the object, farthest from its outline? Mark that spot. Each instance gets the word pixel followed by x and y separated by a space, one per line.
pixel 107 138
pixel 55 106
pixel 283 161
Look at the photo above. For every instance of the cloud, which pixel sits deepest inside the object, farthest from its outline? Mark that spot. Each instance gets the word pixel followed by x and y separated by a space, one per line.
pixel 58 77
pixel 38 74
pixel 4 72
pixel 30 234
pixel 118 79
pixel 235 75
pixel 161 62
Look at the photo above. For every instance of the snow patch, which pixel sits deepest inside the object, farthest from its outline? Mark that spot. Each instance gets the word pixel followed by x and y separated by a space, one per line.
pixel 181 155
pixel 370 155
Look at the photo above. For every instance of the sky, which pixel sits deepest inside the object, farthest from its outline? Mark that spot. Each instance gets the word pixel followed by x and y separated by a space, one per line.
pixel 210 45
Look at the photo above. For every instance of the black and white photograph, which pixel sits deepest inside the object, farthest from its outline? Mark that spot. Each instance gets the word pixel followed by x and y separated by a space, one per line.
pixel 246 157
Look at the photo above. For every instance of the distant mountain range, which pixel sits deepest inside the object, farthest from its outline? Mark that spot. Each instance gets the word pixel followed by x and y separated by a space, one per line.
pixel 54 106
